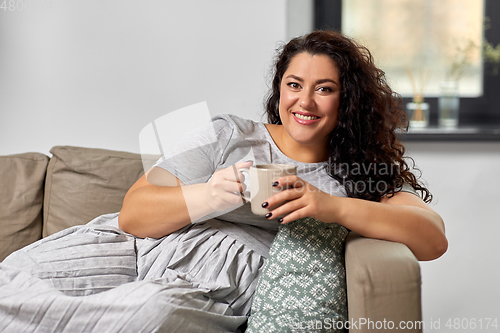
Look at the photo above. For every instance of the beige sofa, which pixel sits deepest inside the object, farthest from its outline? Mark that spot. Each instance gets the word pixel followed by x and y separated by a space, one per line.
pixel 40 196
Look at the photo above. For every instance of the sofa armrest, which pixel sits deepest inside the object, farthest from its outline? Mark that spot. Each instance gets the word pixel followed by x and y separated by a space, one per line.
pixel 383 283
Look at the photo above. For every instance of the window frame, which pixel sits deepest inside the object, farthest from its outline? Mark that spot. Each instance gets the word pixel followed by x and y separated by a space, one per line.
pixel 482 111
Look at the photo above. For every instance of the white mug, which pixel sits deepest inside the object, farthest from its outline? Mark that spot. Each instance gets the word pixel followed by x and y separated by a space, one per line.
pixel 262 178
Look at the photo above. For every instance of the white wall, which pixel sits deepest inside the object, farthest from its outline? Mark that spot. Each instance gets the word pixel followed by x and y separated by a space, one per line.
pixel 94 73
pixel 463 283
pixel 299 17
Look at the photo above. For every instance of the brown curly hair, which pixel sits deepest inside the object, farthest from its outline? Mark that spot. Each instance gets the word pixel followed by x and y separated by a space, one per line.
pixel 363 149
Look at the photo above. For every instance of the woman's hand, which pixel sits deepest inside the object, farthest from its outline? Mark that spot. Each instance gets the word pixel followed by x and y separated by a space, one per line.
pixel 300 199
pixel 223 190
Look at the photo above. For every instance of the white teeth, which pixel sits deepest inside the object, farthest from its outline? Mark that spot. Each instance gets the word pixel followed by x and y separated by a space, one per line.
pixel 305 117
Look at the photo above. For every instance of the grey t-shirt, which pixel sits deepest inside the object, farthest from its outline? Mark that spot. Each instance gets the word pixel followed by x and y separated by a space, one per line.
pixel 228 140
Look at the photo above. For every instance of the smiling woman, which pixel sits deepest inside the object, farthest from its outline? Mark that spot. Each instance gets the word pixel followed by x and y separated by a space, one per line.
pixel 329 103
pixel 308 107
pixel 330 76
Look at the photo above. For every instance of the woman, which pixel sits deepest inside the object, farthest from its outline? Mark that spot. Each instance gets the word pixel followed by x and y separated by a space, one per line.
pixel 355 116
pixel 328 103
pixel 197 251
pixel 332 114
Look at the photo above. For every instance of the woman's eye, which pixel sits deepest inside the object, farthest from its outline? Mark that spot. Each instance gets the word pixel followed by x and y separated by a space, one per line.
pixel 325 89
pixel 294 85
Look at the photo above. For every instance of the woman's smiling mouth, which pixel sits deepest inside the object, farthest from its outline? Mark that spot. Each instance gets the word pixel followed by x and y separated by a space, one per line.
pixel 305 119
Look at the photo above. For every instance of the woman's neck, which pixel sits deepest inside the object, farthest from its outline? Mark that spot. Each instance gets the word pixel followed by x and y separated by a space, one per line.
pixel 295 150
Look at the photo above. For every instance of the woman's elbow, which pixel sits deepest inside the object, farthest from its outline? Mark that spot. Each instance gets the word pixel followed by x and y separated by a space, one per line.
pixel 439 244
pixel 435 249
pixel 441 247
pixel 124 221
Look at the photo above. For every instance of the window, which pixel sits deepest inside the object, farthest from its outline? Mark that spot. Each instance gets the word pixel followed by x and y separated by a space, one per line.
pixel 417 40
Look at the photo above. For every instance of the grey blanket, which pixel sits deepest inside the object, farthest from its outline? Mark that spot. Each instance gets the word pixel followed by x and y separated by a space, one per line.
pixel 96 278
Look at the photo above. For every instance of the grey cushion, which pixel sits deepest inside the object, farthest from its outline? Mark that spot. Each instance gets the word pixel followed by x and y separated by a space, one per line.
pixel 21 197
pixel 83 183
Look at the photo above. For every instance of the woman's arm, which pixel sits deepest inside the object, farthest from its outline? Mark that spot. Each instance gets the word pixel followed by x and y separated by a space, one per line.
pixel 157 210
pixel 403 218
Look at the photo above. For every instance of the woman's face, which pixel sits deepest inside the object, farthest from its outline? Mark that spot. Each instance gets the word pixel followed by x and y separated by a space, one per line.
pixel 309 98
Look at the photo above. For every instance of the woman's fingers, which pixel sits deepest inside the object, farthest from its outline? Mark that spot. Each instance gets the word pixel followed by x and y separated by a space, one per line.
pixel 298 199
pixel 295 215
pixel 233 186
pixel 232 174
pixel 290 182
pixel 282 197
pixel 226 185
pixel 286 208
pixel 293 188
pixel 219 198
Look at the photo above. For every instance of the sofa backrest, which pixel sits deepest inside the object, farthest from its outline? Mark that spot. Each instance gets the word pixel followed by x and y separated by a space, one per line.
pixel 83 183
pixel 75 186
pixel 22 178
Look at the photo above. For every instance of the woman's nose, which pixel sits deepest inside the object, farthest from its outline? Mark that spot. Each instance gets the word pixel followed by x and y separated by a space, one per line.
pixel 306 100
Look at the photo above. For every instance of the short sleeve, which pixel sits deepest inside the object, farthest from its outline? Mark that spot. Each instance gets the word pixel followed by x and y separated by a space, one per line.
pixel 197 155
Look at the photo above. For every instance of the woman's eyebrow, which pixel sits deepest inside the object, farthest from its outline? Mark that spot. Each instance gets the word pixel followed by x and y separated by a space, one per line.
pixel 327 80
pixel 291 76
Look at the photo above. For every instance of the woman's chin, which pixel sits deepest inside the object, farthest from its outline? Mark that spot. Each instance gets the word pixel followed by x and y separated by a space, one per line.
pixel 308 141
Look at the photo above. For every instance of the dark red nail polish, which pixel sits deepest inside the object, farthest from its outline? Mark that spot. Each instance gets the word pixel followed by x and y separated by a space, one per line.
pixel 265 204
pixel 275 184
pixel 268 215
pixel 280 220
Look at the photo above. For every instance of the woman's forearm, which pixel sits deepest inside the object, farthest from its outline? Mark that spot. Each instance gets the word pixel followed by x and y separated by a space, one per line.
pixel 422 230
pixel 156 211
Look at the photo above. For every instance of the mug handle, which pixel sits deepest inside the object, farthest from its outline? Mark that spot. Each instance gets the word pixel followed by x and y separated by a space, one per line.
pixel 247 171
